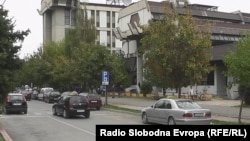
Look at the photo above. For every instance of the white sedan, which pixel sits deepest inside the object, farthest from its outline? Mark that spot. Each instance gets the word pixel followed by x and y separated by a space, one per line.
pixel 176 112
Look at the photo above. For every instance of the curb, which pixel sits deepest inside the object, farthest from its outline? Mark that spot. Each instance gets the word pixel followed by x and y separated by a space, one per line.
pixel 5 135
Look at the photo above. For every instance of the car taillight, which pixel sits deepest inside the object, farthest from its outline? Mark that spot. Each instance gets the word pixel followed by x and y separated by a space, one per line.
pixel 187 115
pixel 8 98
pixel 208 114
pixel 24 98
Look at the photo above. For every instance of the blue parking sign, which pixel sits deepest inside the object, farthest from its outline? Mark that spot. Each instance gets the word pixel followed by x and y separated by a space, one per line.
pixel 105 78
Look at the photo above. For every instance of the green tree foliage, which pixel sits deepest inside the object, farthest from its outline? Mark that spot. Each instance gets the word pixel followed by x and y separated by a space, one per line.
pixel 146 88
pixel 238 68
pixel 238 63
pixel 176 52
pixel 84 31
pixel 9 48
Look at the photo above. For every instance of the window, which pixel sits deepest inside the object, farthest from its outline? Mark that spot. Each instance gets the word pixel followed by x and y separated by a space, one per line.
pixel 93 15
pixel 159 104
pixel 210 78
pixel 97 18
pixel 73 18
pixel 67 17
pixel 66 30
pixel 113 40
pixel 108 39
pixel 108 18
pixel 113 19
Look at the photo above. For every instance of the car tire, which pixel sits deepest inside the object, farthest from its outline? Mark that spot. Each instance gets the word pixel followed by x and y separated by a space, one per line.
pixel 98 108
pixel 144 118
pixel 54 111
pixel 87 114
pixel 25 112
pixel 171 121
pixel 65 114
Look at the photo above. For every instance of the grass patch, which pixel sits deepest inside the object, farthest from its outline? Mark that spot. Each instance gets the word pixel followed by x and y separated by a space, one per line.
pixel 220 122
pixel 121 108
pixel 1 137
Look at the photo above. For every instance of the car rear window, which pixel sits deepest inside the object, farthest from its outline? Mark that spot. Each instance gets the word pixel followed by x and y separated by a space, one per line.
pixel 16 97
pixel 187 105
pixel 78 99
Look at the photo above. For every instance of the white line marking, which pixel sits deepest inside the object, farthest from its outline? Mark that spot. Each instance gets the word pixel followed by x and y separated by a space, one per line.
pixel 86 131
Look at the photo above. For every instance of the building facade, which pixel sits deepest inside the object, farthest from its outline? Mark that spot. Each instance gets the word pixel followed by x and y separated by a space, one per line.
pixel 227 29
pixel 60 15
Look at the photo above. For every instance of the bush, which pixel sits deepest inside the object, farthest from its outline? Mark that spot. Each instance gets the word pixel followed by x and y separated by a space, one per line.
pixel 244 93
pixel 146 88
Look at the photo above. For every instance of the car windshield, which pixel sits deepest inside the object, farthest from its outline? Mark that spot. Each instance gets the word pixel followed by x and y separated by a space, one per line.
pixel 16 97
pixel 187 105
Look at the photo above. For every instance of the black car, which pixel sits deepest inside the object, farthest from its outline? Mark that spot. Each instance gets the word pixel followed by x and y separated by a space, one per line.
pixel 52 96
pixel 71 105
pixel 15 102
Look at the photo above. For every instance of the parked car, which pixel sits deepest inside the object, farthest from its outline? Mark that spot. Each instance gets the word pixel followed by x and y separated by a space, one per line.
pixel 34 95
pixel 27 94
pixel 51 96
pixel 43 92
pixel 15 102
pixel 66 93
pixel 71 105
pixel 95 100
pixel 176 112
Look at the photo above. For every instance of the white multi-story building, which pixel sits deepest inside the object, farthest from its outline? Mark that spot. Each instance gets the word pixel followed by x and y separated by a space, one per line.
pixel 59 16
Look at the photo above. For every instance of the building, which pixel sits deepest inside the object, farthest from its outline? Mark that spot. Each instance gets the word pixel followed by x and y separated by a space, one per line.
pixel 227 29
pixel 60 15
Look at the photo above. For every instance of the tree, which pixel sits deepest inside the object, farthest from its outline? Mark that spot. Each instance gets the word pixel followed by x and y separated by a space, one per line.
pixel 238 68
pixel 9 48
pixel 176 52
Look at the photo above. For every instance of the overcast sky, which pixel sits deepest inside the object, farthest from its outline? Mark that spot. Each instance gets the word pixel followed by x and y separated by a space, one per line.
pixel 25 15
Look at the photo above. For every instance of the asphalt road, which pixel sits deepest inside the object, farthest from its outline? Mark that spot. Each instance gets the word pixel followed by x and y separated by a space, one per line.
pixel 40 125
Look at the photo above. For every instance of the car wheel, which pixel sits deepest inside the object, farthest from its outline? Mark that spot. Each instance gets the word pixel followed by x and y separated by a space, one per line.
pixel 65 114
pixel 144 118
pixel 25 112
pixel 87 114
pixel 171 121
pixel 98 108
pixel 54 111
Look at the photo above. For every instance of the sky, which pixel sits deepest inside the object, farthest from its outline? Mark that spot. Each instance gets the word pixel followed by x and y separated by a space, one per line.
pixel 25 15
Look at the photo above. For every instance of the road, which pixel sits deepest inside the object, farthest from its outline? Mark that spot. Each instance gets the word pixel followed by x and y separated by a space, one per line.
pixel 40 125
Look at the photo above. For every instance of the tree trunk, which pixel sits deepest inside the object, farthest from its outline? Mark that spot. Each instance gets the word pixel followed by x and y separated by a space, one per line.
pixel 241 105
pixel 179 92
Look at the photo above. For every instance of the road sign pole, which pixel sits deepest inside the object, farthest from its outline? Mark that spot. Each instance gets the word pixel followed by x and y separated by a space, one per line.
pixel 106 97
pixel 105 82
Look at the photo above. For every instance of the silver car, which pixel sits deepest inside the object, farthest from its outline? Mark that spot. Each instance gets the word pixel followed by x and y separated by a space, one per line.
pixel 176 112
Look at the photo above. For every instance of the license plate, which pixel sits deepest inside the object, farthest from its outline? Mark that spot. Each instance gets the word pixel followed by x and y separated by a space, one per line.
pixel 93 101
pixel 16 103
pixel 80 110
pixel 198 114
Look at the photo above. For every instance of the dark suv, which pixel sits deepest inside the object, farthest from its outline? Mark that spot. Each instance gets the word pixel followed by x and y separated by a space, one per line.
pixel 15 102
pixel 51 96
pixel 71 105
